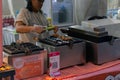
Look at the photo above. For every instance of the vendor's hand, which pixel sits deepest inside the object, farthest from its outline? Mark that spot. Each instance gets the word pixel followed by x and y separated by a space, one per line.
pixel 38 29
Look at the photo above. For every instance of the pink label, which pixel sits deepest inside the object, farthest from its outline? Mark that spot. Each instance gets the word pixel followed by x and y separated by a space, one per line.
pixel 29 66
pixel 54 54
pixel 54 61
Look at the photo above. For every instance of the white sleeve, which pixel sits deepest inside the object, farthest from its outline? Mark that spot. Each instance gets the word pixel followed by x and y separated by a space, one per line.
pixel 22 16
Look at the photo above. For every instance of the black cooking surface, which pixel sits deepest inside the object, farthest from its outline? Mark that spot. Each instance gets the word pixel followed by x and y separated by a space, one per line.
pixel 97 38
pixel 59 42
pixel 17 48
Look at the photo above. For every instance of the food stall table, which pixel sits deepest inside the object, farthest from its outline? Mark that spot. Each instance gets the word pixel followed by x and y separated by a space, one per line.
pixel 7 71
pixel 88 71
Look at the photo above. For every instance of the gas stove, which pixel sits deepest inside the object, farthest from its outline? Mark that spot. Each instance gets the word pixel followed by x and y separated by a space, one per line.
pixel 25 56
pixel 19 48
pixel 72 51
pixel 100 46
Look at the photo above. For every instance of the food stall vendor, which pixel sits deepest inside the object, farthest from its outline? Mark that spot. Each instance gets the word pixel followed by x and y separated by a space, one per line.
pixel 31 19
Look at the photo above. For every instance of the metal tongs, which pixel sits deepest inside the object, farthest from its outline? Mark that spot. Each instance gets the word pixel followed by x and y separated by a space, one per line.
pixel 36 35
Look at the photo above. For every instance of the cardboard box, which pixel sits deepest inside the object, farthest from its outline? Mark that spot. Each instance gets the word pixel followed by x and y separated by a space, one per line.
pixel 27 66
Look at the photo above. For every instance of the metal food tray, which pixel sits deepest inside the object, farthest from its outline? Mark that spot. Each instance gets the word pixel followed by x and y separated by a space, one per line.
pixel 15 48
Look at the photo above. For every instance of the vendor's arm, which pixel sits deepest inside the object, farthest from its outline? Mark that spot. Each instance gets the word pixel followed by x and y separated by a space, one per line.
pixel 22 28
pixel 22 25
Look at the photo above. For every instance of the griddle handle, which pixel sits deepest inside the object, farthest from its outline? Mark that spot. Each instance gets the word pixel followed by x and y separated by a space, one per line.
pixel 70 44
pixel 64 30
pixel 112 40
